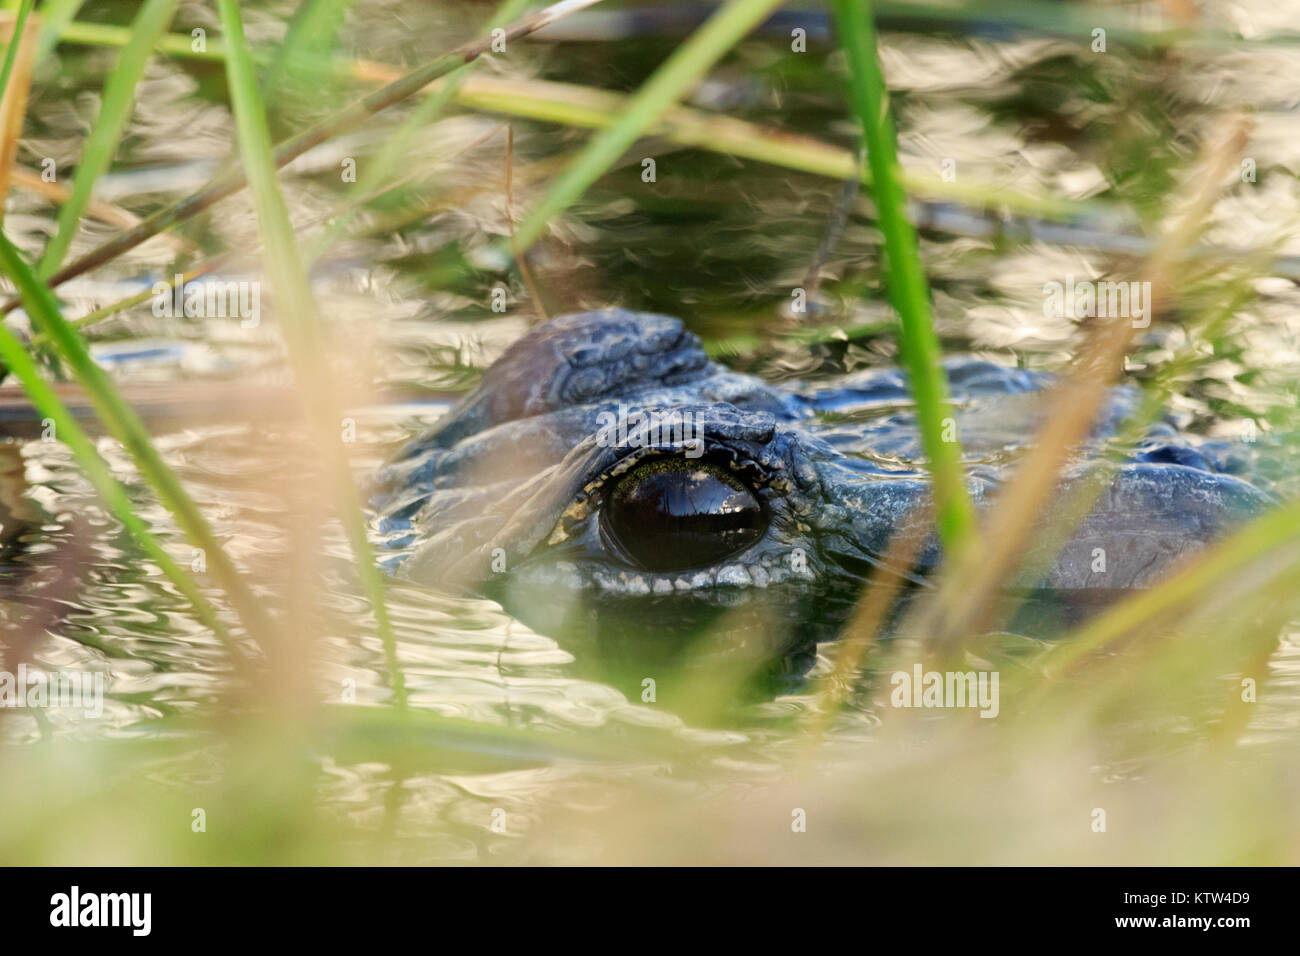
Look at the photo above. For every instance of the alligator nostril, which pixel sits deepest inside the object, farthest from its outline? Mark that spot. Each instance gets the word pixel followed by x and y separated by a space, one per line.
pixel 673 514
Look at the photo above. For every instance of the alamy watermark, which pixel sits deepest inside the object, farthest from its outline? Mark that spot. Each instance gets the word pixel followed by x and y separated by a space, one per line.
pixel 921 688
pixel 1093 299
pixel 38 688
pixel 673 428
pixel 209 300
pixel 74 908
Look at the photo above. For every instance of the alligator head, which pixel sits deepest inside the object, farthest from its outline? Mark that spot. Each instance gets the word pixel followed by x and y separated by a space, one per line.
pixel 607 478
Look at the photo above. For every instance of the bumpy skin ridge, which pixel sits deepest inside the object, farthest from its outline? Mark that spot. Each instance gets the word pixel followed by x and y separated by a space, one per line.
pixel 503 495
pixel 573 360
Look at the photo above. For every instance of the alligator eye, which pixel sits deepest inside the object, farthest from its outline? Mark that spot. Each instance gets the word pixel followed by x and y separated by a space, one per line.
pixel 671 514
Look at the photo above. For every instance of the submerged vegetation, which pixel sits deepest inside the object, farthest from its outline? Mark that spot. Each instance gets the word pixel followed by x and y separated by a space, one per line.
pixel 417 189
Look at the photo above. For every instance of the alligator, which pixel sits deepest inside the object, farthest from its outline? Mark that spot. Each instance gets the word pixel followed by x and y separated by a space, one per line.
pixel 606 476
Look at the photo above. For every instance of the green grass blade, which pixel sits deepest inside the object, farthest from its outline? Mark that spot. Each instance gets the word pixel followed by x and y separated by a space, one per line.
pixel 670 82
pixel 1064 20
pixel 119 98
pixel 18 362
pixel 908 286
pixel 126 426
pixel 297 316
pixel 11 49
pixel 303 57
pixel 55 17
pixel 172 44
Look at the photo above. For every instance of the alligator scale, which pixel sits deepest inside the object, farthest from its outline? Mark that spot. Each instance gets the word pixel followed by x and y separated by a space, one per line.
pixel 606 471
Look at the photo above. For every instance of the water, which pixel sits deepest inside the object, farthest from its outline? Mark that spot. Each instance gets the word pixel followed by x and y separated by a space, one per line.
pixel 717 241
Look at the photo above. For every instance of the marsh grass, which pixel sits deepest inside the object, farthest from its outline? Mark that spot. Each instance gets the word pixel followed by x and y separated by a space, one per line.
pixel 17 361
pixel 152 21
pixel 343 121
pixel 126 426
pixel 300 321
pixel 15 80
pixel 1148 690
pixel 908 287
